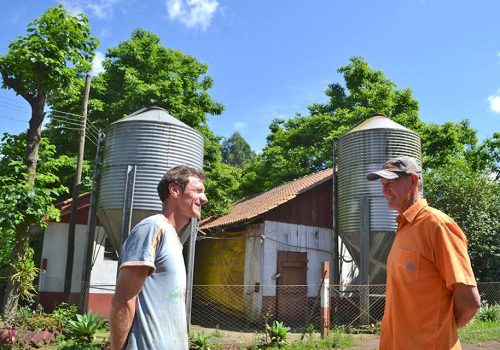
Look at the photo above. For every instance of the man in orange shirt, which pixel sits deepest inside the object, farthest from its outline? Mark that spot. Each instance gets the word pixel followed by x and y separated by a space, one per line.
pixel 431 289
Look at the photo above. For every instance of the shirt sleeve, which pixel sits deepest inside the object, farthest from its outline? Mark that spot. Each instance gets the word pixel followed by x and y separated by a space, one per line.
pixel 452 259
pixel 140 247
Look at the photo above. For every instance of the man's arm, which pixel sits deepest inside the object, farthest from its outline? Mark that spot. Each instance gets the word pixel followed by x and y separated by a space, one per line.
pixel 466 302
pixel 129 284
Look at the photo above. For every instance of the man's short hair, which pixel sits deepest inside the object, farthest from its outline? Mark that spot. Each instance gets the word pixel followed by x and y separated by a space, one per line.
pixel 178 175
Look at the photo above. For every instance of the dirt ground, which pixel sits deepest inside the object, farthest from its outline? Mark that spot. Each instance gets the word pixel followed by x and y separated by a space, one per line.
pixel 237 340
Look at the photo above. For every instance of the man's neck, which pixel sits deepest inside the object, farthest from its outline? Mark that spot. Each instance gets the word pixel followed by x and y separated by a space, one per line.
pixel 412 199
pixel 177 222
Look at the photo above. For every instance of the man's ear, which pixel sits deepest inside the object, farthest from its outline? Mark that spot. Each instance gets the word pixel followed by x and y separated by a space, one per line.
pixel 174 190
pixel 414 180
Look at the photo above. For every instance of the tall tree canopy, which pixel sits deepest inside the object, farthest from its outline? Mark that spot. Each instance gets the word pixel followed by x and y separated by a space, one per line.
pixel 304 144
pixel 56 50
pixel 141 72
pixel 236 151
pixel 471 198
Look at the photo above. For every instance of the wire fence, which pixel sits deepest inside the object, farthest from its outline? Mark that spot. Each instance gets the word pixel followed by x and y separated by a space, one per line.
pixel 246 309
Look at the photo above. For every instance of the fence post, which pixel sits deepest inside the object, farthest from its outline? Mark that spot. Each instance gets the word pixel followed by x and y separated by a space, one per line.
pixel 325 298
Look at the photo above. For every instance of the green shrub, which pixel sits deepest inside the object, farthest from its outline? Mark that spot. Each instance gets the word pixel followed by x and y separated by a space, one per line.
pixel 200 341
pixel 277 333
pixel 27 319
pixel 64 313
pixel 489 313
pixel 84 328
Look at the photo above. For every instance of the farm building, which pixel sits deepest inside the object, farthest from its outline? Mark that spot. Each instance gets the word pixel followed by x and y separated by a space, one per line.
pixel 277 238
pixel 53 264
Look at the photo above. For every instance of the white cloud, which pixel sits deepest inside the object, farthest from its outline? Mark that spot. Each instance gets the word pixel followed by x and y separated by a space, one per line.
pixel 494 101
pixel 97 63
pixel 192 13
pixel 98 8
pixel 240 125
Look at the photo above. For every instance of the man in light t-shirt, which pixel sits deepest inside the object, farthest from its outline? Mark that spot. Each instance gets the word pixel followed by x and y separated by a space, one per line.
pixel 148 307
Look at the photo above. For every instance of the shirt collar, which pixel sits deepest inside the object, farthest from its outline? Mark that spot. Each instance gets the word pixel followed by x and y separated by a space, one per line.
pixel 410 213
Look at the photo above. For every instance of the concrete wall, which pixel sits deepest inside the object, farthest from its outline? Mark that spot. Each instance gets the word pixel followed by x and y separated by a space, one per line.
pixel 51 281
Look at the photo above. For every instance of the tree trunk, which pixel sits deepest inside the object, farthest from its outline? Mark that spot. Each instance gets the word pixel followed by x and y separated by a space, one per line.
pixel 11 296
pixel 34 136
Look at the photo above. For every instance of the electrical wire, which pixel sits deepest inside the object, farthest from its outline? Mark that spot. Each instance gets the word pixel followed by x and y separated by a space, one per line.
pixel 11 99
pixel 13 106
pixel 12 118
pixel 67 113
pixel 296 246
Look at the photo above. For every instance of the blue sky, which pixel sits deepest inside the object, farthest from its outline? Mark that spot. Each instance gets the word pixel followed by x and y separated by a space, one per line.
pixel 272 58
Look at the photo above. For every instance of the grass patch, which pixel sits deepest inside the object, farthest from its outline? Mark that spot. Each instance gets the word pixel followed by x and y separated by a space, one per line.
pixel 336 339
pixel 478 331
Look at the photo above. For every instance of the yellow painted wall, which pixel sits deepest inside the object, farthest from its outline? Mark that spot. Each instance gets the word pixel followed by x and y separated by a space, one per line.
pixel 219 270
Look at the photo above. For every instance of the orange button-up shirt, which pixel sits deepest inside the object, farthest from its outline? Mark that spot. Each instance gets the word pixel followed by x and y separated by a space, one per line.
pixel 428 256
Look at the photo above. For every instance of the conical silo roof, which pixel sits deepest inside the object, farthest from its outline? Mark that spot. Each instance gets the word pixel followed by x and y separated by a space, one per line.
pixel 153 114
pixel 378 122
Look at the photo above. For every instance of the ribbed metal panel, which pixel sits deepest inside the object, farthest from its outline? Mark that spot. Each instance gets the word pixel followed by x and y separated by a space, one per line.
pixel 154 141
pixel 361 151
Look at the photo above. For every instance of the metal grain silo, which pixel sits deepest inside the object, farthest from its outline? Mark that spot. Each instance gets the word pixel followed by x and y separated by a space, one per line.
pixel 151 141
pixel 365 223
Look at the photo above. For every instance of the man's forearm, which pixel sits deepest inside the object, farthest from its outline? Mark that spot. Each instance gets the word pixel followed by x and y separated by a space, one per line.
pixel 466 302
pixel 120 322
pixel 464 315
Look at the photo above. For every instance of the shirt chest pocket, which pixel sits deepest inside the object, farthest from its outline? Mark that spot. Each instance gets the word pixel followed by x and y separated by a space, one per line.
pixel 405 265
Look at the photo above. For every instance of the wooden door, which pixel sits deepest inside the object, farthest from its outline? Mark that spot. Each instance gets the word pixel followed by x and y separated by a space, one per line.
pixel 291 294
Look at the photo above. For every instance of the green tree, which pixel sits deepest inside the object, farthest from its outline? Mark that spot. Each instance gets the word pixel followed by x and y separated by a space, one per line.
pixel 444 143
pixel 471 198
pixel 236 151
pixel 141 72
pixel 57 48
pixel 23 204
pixel 304 144
pixel 487 156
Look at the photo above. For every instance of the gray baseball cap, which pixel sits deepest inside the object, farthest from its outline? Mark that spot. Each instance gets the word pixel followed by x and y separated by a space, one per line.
pixel 396 167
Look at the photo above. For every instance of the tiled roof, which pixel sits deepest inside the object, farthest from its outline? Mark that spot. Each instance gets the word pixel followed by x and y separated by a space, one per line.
pixel 82 201
pixel 255 206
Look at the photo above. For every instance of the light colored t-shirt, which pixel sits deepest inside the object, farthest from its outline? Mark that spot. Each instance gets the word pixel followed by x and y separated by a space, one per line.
pixel 160 316
pixel 428 256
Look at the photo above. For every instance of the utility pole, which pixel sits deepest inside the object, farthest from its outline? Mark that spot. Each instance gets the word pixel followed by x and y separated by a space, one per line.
pixel 68 276
pixel 91 226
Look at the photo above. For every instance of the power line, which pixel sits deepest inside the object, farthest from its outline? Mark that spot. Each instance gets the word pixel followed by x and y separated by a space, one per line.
pixel 96 129
pixel 89 123
pixel 12 99
pixel 67 113
pixel 70 122
pixel 12 118
pixel 8 105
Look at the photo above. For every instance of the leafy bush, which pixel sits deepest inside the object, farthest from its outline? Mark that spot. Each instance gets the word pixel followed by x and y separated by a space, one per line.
pixel 27 319
pixel 277 333
pixel 489 313
pixel 84 328
pixel 200 341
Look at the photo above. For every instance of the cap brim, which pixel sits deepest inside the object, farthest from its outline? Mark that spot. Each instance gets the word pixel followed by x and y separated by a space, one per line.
pixel 386 174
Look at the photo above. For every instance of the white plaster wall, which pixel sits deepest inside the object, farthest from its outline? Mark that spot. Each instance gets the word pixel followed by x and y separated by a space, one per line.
pixel 316 241
pixel 55 244
pixel 103 275
pixel 104 272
